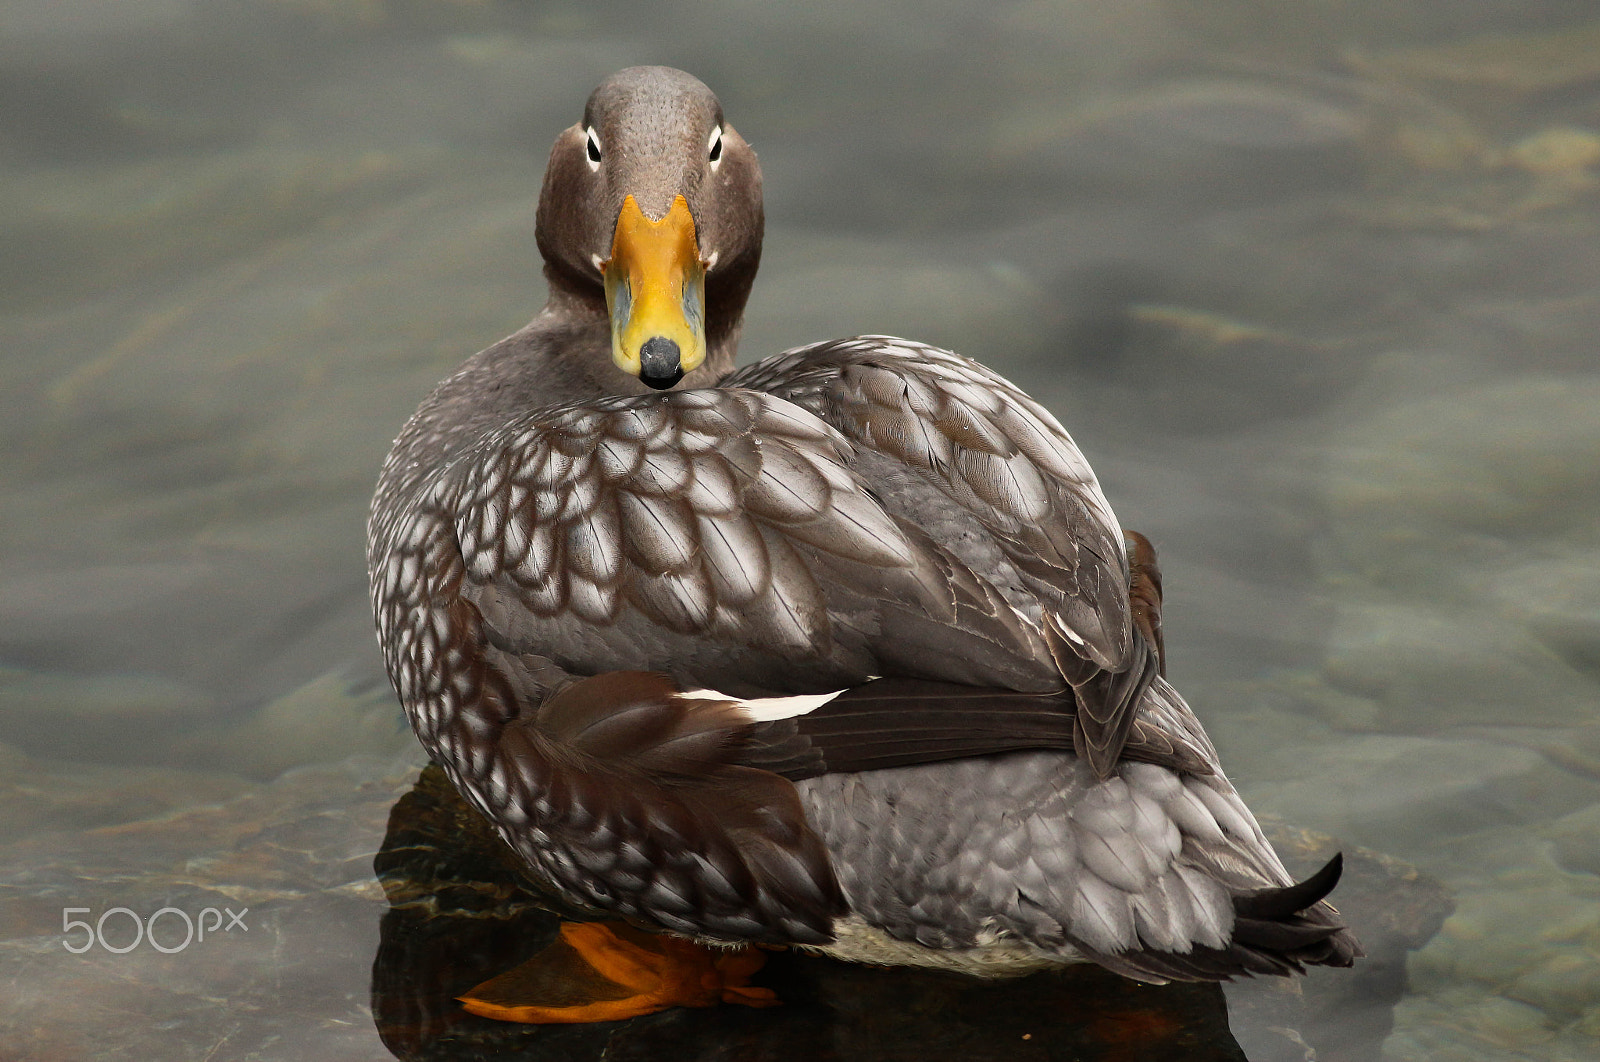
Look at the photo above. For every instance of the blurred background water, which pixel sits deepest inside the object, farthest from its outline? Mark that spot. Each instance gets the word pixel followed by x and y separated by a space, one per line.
pixel 1316 286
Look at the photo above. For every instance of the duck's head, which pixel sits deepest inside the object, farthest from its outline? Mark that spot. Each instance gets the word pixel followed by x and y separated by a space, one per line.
pixel 654 200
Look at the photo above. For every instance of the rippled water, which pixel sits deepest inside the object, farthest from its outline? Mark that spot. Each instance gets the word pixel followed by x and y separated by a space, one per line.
pixel 1316 287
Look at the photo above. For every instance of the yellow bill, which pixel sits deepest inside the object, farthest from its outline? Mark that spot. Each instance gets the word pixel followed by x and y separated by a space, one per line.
pixel 655 293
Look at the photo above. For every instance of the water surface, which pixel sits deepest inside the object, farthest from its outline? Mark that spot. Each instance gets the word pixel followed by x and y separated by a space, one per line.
pixel 1316 288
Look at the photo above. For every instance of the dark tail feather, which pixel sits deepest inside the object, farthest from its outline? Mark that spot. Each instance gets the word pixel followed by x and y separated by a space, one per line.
pixel 1279 903
pixel 1277 931
pixel 1293 924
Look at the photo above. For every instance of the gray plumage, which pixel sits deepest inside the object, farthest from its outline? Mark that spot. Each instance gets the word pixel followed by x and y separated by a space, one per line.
pixel 1032 849
pixel 584 588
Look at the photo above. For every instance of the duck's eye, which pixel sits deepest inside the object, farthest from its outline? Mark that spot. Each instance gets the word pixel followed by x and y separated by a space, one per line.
pixel 594 148
pixel 715 146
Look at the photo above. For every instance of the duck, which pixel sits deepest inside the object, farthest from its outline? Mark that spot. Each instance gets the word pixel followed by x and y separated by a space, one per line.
pixel 843 650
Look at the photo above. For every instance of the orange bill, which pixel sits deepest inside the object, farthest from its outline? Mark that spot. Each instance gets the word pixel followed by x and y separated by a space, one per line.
pixel 655 292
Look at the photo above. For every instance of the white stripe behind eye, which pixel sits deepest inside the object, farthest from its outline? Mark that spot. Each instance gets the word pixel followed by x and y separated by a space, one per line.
pixel 766 709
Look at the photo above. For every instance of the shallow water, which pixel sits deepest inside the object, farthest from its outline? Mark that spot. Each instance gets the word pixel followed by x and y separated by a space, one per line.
pixel 1316 288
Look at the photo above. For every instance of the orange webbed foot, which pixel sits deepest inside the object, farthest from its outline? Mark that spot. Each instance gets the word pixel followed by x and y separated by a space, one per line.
pixel 604 971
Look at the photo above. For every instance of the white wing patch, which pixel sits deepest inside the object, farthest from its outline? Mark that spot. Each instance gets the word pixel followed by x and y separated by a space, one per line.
pixel 767 709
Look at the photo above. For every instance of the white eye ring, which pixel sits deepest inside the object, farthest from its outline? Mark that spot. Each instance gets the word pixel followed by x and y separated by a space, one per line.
pixel 714 147
pixel 592 148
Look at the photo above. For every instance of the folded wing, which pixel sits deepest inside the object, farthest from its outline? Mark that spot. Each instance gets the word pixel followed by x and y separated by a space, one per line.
pixel 955 447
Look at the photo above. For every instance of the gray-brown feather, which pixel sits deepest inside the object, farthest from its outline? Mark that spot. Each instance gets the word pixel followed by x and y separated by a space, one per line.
pixel 735 540
pixel 723 535
pixel 1031 856
pixel 942 434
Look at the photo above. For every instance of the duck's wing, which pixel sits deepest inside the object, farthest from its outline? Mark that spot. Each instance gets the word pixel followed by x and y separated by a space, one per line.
pixel 900 722
pixel 718 540
pixel 964 453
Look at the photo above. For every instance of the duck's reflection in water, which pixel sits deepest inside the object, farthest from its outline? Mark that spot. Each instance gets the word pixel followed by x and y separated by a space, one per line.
pixel 460 912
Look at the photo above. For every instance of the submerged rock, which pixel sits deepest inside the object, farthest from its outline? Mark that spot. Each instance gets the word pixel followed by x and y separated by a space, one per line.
pixel 89 717
pixel 1426 490
pixel 1462 548
pixel 327 720
pixel 1428 669
pixel 45 796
